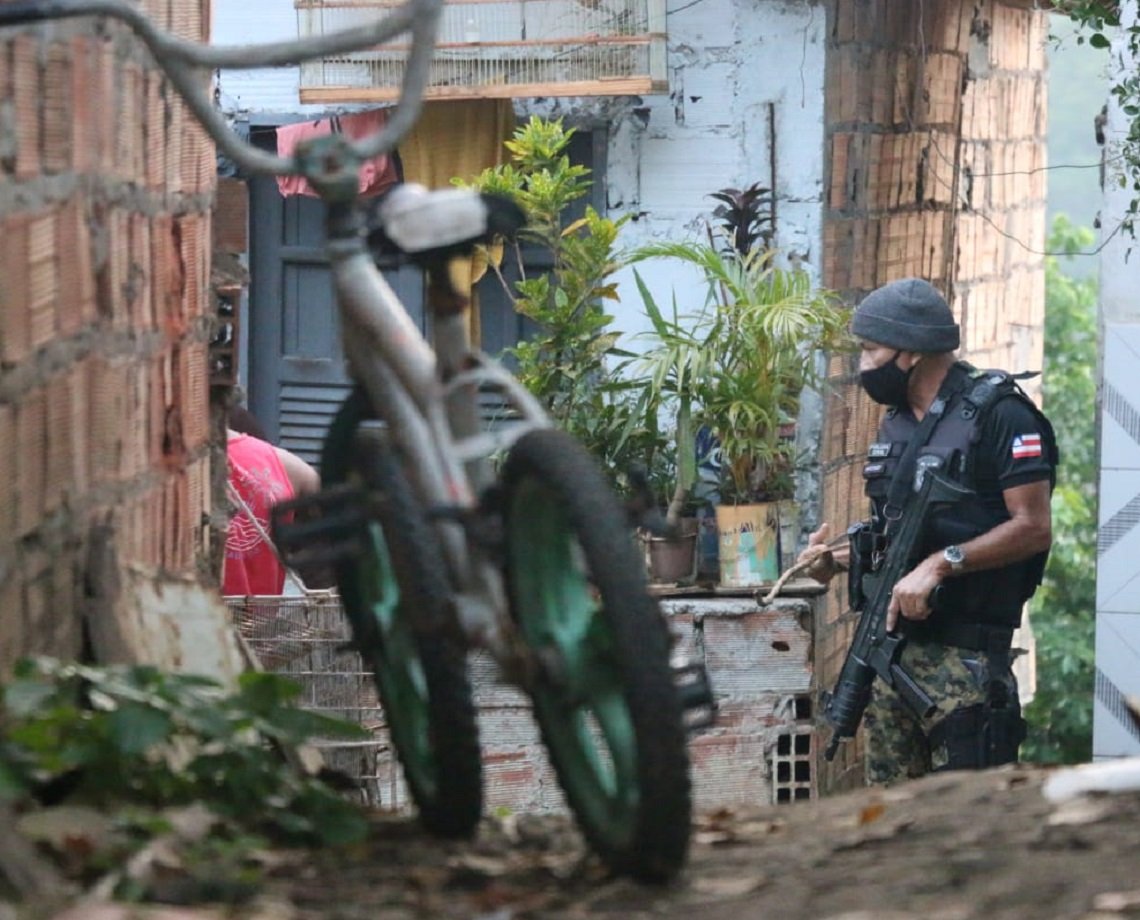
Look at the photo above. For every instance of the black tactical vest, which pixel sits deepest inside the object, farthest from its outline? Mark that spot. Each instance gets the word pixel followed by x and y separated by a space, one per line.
pixel 992 597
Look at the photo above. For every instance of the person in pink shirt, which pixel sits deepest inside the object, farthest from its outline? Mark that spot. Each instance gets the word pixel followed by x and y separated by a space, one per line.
pixel 262 475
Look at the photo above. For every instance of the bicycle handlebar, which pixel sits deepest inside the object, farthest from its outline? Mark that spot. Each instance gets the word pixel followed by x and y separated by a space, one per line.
pixel 177 57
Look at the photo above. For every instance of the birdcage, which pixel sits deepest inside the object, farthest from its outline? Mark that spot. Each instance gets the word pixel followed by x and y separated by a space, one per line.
pixel 306 638
pixel 497 49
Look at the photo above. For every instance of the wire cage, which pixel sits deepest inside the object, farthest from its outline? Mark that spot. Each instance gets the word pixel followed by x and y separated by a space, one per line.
pixel 306 639
pixel 497 49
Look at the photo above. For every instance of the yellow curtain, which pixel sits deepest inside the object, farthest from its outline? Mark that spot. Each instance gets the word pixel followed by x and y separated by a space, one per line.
pixel 458 140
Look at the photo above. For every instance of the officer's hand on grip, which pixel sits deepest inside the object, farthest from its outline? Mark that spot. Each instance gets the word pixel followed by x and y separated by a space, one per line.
pixel 912 593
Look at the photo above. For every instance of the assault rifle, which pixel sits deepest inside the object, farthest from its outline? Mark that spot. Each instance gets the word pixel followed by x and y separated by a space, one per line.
pixel 874 650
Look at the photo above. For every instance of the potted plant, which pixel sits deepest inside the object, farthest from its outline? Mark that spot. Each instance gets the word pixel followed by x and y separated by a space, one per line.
pixel 735 366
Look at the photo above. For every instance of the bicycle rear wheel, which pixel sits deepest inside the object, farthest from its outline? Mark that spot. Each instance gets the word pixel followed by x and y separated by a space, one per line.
pixel 604 697
pixel 393 590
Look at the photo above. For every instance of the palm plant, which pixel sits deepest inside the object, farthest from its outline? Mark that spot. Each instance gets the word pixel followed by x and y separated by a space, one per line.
pixel 737 364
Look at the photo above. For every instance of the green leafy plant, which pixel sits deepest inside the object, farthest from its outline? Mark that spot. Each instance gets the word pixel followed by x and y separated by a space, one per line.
pixel 738 363
pixel 152 739
pixel 566 362
pixel 1060 716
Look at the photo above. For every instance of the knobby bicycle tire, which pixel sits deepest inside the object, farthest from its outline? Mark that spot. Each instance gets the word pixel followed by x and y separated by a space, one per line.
pixel 604 699
pixel 390 589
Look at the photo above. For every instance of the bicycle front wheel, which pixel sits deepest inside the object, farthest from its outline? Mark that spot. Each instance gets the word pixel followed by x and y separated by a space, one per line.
pixel 604 697
pixel 395 595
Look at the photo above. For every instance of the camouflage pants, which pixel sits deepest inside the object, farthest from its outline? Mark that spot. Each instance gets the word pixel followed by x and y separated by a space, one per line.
pixel 897 743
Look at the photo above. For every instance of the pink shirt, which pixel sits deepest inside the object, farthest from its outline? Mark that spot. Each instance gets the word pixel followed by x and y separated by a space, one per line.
pixel 256 472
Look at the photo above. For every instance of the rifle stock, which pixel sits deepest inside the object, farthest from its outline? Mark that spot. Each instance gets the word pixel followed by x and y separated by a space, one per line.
pixel 873 650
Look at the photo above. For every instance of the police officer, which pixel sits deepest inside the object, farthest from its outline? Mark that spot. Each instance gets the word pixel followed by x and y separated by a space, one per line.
pixel 980 560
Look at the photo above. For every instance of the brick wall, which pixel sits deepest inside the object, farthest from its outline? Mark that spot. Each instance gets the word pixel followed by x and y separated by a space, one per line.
pixel 936 121
pixel 759 751
pixel 105 193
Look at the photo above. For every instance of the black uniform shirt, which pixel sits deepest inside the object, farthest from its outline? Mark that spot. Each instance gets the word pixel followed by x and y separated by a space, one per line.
pixel 1012 451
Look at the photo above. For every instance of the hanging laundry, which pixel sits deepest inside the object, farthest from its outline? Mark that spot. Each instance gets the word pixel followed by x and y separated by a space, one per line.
pixel 456 139
pixel 376 175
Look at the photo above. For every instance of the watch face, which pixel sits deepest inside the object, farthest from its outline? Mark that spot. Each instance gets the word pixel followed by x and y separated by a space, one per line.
pixel 954 555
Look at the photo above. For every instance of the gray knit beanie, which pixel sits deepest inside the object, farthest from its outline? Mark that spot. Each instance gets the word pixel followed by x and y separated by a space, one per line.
pixel 909 314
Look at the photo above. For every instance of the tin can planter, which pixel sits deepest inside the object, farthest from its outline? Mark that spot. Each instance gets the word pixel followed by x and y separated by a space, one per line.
pixel 749 538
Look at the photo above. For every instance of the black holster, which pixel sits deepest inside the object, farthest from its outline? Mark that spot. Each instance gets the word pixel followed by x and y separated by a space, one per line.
pixel 982 735
pixel 866 545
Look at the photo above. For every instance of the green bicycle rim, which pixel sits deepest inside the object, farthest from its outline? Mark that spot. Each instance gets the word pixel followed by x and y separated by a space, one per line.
pixel 396 662
pixel 582 708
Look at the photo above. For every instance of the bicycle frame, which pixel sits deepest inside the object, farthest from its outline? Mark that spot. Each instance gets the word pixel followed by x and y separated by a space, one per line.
pixel 429 400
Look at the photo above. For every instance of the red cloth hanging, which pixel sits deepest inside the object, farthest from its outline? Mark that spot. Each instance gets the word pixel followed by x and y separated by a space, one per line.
pixel 376 175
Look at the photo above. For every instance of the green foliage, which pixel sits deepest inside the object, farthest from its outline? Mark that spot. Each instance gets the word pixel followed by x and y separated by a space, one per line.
pixel 738 363
pixel 566 363
pixel 1078 87
pixel 1060 716
pixel 140 736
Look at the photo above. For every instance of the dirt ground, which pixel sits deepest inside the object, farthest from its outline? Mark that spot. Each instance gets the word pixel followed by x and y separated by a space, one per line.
pixel 947 847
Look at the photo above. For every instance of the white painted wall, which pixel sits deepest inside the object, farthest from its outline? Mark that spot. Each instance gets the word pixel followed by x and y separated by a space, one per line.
pixel 729 60
pixel 1118 541
pixel 729 63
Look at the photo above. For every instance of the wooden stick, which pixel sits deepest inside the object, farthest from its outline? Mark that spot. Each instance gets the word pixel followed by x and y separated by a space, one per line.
pixel 795 570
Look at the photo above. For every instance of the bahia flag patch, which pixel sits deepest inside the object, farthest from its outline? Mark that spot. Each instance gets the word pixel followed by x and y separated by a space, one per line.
pixel 1026 445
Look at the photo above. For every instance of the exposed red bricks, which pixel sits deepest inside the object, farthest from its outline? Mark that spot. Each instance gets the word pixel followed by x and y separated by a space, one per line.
pixel 30 448
pixel 57 112
pixel 231 217
pixel 9 484
pixel 26 92
pixel 930 174
pixel 103 413
pixel 15 313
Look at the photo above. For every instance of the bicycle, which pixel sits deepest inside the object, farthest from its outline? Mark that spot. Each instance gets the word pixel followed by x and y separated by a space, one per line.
pixel 436 548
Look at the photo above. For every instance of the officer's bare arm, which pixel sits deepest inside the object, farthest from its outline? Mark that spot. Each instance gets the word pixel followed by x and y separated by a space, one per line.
pixel 1029 531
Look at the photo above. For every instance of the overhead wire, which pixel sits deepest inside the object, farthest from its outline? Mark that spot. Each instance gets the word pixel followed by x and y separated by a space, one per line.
pixel 959 204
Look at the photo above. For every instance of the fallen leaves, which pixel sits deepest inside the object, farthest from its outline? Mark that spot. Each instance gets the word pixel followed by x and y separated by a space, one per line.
pixel 872 812
pixel 728 827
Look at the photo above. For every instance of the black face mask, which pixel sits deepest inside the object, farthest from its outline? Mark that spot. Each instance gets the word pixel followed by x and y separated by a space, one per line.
pixel 888 383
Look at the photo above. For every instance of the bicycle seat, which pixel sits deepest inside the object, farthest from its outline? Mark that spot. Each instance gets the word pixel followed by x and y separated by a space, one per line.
pixel 425 225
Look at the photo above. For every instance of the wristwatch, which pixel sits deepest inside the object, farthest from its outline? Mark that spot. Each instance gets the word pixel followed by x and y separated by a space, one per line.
pixel 956 557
